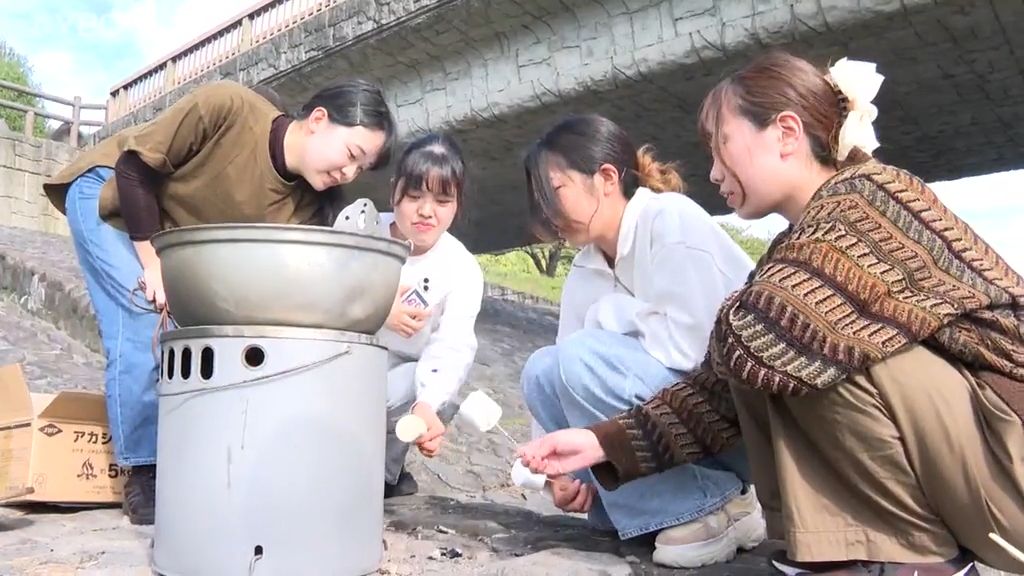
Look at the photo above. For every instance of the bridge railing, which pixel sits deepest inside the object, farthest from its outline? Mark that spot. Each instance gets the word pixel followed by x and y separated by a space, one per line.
pixel 76 104
pixel 264 20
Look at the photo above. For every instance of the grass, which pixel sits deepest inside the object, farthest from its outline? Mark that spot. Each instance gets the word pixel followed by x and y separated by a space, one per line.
pixel 515 271
pixel 534 285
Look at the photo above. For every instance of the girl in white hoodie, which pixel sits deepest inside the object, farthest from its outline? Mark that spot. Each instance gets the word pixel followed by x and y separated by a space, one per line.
pixel 636 312
pixel 430 331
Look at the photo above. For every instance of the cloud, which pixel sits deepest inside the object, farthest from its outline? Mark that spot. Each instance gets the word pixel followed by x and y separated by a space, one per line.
pixel 83 48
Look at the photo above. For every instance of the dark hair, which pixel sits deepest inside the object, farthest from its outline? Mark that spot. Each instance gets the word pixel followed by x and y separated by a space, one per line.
pixel 776 82
pixel 434 163
pixel 270 95
pixel 356 103
pixel 62 134
pixel 583 144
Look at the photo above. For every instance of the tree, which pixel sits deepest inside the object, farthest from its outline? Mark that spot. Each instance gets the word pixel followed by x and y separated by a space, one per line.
pixel 14 68
pixel 546 257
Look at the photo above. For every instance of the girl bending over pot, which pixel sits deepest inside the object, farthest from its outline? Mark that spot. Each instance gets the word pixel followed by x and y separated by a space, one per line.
pixel 221 154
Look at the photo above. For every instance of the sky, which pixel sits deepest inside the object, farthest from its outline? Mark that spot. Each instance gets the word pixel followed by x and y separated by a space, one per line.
pixel 85 47
pixel 993 205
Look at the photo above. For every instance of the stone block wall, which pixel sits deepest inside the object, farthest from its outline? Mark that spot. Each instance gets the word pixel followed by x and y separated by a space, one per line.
pixel 25 162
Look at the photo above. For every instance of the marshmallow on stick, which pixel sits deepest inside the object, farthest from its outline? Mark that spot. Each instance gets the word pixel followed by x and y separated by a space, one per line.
pixel 409 428
pixel 522 477
pixel 479 411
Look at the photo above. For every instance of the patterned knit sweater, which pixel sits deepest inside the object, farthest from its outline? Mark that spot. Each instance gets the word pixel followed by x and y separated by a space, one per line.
pixel 875 265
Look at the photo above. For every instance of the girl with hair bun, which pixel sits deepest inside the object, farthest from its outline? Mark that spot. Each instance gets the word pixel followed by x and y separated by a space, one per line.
pixel 874 361
pixel 636 311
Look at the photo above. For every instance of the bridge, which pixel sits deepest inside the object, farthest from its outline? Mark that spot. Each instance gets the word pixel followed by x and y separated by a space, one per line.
pixel 496 73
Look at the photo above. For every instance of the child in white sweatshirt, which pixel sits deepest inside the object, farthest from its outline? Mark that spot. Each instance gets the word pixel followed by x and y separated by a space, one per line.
pixel 430 332
pixel 636 312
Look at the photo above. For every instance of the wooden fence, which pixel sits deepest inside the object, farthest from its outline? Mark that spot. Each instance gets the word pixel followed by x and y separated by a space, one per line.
pixel 76 104
pixel 256 25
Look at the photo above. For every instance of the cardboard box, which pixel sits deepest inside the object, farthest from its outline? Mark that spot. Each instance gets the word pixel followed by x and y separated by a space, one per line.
pixel 55 448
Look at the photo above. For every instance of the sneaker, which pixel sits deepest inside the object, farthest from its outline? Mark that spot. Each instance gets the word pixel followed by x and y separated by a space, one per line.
pixel 405 486
pixel 140 495
pixel 959 566
pixel 714 538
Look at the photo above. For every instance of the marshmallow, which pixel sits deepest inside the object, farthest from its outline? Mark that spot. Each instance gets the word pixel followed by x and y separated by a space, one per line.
pixel 479 411
pixel 522 477
pixel 410 427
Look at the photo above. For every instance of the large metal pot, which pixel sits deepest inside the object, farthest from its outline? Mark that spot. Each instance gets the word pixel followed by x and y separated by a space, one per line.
pixel 279 275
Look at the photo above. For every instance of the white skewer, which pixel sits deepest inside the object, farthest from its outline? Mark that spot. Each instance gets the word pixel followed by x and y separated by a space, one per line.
pixel 1016 553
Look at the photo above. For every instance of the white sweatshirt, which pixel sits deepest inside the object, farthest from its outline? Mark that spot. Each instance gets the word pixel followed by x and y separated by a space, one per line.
pixel 674 268
pixel 450 279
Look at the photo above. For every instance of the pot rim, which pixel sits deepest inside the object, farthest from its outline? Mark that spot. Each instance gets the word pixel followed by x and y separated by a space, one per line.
pixel 276 234
pixel 267 331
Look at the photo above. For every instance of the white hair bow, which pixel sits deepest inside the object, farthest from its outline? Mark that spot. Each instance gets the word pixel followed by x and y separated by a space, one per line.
pixel 859 82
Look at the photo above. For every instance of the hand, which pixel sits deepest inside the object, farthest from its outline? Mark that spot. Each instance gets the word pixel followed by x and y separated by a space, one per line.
pixel 572 495
pixel 154 283
pixel 406 320
pixel 429 442
pixel 562 452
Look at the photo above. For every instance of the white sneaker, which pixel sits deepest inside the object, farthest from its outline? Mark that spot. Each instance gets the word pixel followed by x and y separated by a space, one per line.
pixel 714 538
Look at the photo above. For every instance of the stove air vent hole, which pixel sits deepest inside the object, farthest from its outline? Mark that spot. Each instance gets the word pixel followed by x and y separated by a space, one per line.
pixel 186 363
pixel 254 356
pixel 206 363
pixel 169 363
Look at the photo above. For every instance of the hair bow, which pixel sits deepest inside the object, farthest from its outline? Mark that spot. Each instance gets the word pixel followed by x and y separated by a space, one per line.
pixel 859 82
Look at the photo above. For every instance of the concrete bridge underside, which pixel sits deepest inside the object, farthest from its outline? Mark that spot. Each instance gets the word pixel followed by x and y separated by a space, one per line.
pixel 497 73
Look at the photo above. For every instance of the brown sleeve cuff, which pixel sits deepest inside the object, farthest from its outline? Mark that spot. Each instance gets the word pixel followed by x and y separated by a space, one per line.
pixel 622 465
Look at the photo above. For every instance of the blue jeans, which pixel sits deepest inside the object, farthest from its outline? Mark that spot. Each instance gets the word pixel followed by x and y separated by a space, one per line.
pixel 112 269
pixel 595 374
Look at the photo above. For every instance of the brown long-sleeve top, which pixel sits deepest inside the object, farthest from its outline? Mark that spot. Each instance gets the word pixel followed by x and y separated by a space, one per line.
pixel 138 183
pixel 876 264
pixel 207 159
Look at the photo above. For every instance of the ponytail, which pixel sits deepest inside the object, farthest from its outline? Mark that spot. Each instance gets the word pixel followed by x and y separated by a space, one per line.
pixel 658 176
pixel 584 144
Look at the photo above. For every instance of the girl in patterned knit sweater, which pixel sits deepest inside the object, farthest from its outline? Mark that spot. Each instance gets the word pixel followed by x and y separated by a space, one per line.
pixel 874 360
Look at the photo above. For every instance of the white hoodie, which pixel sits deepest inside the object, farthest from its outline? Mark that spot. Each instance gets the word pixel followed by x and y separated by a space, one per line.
pixel 674 268
pixel 444 349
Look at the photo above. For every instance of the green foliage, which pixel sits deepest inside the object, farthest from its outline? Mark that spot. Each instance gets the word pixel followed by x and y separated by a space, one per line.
pixel 754 247
pixel 15 68
pixel 517 271
pixel 518 261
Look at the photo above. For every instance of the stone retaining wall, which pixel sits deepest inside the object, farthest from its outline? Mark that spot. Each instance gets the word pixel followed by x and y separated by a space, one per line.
pixel 40 271
pixel 24 163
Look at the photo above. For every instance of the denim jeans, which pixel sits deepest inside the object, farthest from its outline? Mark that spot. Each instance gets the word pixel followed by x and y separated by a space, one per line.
pixel 112 269
pixel 595 374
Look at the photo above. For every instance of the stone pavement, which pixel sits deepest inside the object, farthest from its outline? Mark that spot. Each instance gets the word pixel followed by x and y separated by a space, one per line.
pixel 466 501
